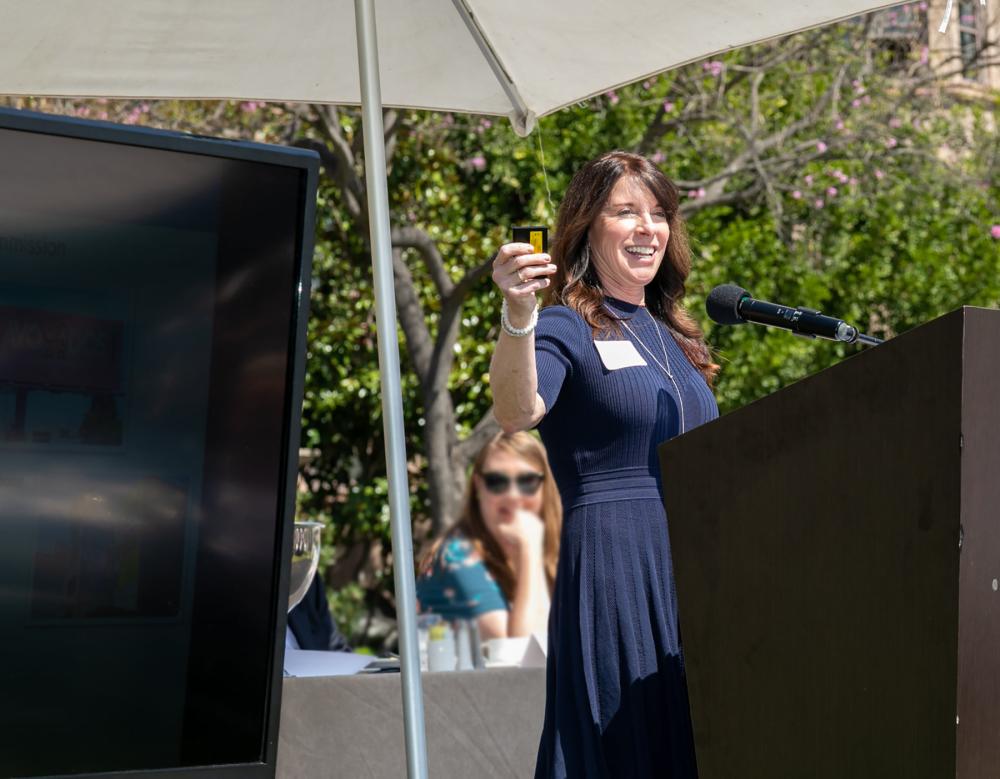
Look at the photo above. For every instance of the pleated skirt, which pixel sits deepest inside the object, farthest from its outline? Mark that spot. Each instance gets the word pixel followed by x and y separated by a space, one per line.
pixel 616 698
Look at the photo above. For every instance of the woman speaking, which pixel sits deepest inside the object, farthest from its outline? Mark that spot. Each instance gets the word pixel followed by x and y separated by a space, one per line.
pixel 608 370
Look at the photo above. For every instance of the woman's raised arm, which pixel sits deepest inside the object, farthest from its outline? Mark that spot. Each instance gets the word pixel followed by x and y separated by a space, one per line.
pixel 519 274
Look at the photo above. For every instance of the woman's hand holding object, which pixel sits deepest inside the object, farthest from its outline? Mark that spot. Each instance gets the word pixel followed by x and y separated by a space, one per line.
pixel 519 273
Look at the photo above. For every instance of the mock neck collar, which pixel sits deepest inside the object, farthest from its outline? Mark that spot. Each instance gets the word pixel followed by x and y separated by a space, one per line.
pixel 622 306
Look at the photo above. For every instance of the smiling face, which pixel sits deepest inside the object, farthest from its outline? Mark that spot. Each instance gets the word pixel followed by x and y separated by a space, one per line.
pixel 497 508
pixel 628 239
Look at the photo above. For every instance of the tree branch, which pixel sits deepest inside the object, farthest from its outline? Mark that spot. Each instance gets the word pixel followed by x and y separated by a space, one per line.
pixel 723 198
pixel 415 238
pixel 469 447
pixel 345 171
pixel 411 317
pixel 471 278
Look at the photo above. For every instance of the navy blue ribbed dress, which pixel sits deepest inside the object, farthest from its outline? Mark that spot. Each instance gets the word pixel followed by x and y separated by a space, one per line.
pixel 616 703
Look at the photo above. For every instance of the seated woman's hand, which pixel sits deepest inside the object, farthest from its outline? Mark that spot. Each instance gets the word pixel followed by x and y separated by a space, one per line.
pixel 523 534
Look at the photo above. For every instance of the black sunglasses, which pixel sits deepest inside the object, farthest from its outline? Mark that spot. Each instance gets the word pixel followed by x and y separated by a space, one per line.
pixel 527 482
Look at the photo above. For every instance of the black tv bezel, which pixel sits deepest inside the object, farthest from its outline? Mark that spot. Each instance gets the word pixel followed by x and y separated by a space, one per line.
pixel 308 162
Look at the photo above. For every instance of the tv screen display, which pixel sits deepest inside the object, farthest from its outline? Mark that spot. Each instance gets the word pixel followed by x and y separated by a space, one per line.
pixel 152 321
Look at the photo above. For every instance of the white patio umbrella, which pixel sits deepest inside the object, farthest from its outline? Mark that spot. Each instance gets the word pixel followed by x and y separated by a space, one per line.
pixel 521 58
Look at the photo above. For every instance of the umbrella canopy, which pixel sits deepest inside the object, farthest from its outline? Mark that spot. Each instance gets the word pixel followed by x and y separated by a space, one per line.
pixel 519 57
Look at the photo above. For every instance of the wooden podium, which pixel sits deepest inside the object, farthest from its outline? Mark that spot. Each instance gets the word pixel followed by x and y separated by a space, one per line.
pixel 837 555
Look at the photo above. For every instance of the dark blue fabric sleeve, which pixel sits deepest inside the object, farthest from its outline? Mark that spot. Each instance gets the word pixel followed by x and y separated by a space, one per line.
pixel 457 584
pixel 557 340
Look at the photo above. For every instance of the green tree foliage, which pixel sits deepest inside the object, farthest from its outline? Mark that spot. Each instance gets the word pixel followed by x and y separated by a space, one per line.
pixel 821 169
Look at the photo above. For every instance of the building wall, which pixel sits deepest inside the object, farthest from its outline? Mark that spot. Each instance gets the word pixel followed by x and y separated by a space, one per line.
pixel 968 18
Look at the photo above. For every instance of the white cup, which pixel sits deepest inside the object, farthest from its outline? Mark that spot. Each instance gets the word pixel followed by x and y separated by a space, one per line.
pixel 505 651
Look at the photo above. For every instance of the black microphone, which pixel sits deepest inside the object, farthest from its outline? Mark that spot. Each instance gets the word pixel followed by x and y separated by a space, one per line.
pixel 729 304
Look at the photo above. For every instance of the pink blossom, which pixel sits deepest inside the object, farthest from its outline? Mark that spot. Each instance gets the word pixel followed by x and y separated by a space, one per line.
pixel 713 66
pixel 250 106
pixel 925 55
pixel 855 103
pixel 852 181
pixel 995 231
pixel 694 194
pixel 658 157
pixel 796 194
pixel 486 124
pixel 647 84
pixel 103 116
pixel 818 202
pixel 840 124
pixel 879 174
pixel 922 6
pixel 891 143
pixel 612 97
pixel 82 111
pixel 821 147
pixel 478 162
pixel 867 99
pixel 895 122
pixel 667 106
pixel 831 191
pixel 808 179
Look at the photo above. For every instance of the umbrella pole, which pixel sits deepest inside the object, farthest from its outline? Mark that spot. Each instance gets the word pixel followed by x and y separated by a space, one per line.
pixel 392 394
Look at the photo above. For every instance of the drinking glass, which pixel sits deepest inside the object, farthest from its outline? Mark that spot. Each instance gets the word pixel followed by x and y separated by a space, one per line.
pixel 305 560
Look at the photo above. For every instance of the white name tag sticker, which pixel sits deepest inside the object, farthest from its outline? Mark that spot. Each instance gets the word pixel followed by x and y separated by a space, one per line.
pixel 619 354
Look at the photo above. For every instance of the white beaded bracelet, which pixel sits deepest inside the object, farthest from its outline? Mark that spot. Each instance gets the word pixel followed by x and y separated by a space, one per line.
pixel 517 332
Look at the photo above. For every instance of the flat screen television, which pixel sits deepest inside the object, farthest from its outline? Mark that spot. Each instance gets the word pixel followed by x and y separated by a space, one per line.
pixel 153 301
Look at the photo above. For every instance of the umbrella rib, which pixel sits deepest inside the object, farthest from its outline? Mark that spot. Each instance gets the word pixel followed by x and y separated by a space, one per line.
pixel 493 60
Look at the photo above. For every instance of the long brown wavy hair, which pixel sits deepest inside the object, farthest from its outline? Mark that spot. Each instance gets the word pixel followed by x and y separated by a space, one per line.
pixel 576 284
pixel 472 525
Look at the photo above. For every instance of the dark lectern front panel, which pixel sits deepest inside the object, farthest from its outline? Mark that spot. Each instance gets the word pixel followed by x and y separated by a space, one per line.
pixel 817 563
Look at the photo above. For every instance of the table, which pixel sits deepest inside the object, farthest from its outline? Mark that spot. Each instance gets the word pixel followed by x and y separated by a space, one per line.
pixel 483 724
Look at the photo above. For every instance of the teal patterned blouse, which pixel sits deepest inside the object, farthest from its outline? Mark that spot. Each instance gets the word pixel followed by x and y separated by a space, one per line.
pixel 456 584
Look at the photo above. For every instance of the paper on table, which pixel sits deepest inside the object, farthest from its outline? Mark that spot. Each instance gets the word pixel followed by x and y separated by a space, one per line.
pixel 534 655
pixel 308 662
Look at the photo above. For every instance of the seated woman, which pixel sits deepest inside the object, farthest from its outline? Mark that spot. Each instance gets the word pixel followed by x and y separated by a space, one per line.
pixel 498 563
